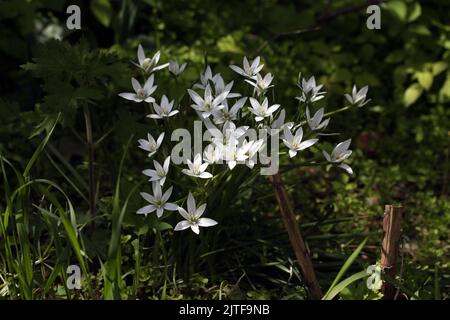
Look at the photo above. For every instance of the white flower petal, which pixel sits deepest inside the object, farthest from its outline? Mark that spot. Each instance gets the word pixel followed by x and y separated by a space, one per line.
pixel 232 164
pixel 307 143
pixel 140 54
pixel 146 209
pixel 157 192
pixel 166 195
pixel 182 225
pixel 188 172
pixel 161 67
pixel 184 213
pixel 148 84
pixel 205 175
pixel 154 116
pixel 136 85
pixel 166 164
pixel 195 97
pixel 190 203
pixel 292 153
pixel 128 95
pixel 237 70
pixel 159 140
pixel 148 197
pixel 170 206
pixel 206 222
pixel 203 166
pixel 200 210
pixel 346 167
pixel 195 228
pixel 150 173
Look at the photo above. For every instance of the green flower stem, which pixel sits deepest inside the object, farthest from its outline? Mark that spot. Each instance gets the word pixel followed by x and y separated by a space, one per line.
pixel 328 114
pixel 336 111
pixel 90 144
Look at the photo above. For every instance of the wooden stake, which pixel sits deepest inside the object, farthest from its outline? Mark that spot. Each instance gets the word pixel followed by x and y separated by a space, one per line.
pixel 389 250
pixel 291 225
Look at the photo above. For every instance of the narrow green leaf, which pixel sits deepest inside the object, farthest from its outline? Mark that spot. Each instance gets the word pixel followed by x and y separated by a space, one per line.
pixel 345 283
pixel 41 147
pixel 112 267
pixel 437 291
pixel 346 266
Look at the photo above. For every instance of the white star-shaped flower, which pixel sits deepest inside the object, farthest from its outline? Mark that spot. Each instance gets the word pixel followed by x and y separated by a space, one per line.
pixel 141 93
pixel 358 98
pixel 225 114
pixel 315 123
pixel 197 168
pixel 262 110
pixel 251 151
pixel 229 133
pixel 193 217
pixel 310 91
pixel 149 65
pixel 220 87
pixel 261 84
pixel 176 69
pixel 339 154
pixel 163 110
pixel 279 124
pixel 295 143
pixel 205 78
pixel 158 201
pixel 249 70
pixel 160 172
pixel 212 154
pixel 150 145
pixel 232 153
pixel 209 103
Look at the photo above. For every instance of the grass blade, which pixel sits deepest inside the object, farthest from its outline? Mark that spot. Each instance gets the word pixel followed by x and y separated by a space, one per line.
pixel 345 267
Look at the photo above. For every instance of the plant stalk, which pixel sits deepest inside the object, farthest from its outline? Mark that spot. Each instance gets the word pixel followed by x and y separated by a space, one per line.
pixel 291 225
pixel 90 145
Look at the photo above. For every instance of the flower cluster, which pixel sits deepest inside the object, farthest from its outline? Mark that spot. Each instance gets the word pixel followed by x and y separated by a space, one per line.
pixel 229 117
pixel 159 201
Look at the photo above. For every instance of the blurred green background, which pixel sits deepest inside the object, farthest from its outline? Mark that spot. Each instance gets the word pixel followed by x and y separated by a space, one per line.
pixel 401 140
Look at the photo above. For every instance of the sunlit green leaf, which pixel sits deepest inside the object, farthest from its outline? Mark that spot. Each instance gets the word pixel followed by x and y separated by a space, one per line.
pixel 399 8
pixel 103 11
pixel 425 79
pixel 415 12
pixel 439 67
pixel 412 94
